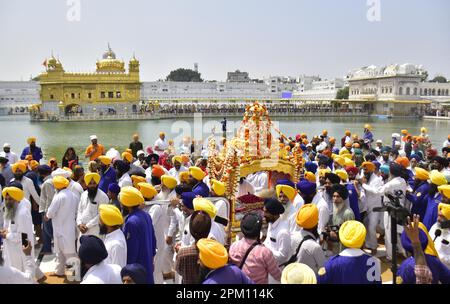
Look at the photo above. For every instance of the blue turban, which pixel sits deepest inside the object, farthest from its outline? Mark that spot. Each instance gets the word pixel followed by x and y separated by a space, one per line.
pixel 92 250
pixel 306 187
pixel 385 149
pixel 44 169
pixel 187 199
pixel 406 242
pixel 311 167
pixel 384 169
pixel 335 150
pixel 114 188
pixel 303 147
pixel 417 157
pixel 135 271
pixel 377 164
pixel 122 166
pixel 286 182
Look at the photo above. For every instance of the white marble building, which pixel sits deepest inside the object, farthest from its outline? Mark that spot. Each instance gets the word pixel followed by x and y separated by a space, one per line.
pixel 18 95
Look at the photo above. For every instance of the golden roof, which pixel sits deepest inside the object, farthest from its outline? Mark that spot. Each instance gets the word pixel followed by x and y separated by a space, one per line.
pixel 109 63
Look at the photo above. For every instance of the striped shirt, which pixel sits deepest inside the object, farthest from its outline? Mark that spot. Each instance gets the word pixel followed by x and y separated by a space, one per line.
pixel 259 263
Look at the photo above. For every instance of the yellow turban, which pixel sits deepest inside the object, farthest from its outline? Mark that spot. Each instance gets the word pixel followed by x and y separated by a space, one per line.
pixel 342 174
pixel 91 175
pixel 445 190
pixel 137 179
pixel 287 190
pixel 19 166
pixel 60 182
pixel 307 216
pixel 34 164
pixel 105 160
pixel 404 132
pixel 340 160
pixel 31 139
pixel 176 158
pixel 147 190
pixel 110 215
pixel 197 173
pixel 368 166
pixel 169 181
pixel 422 174
pixel 203 204
pixel 298 273
pixel 183 176
pixel 130 196
pixel 218 187
pixel 349 162
pixel 445 210
pixel 431 250
pixel 437 178
pixel 310 177
pixel 352 234
pixel 322 172
pixel 423 130
pixel 67 169
pixel 212 254
pixel 367 126
pixel 127 156
pixel 162 133
pixel 16 193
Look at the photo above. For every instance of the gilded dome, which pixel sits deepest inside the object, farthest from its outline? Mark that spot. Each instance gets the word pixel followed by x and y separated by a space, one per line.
pixel 109 63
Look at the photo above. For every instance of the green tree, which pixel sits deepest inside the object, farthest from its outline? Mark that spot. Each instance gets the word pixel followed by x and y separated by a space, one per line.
pixel 186 75
pixel 440 79
pixel 342 93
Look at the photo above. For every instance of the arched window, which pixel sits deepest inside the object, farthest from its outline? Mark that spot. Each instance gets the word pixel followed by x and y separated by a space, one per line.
pixel 439 92
pixel 407 91
pixel 400 91
pixel 433 92
pixel 415 91
pixel 425 92
pixel 420 91
pixel 446 92
pixel 390 89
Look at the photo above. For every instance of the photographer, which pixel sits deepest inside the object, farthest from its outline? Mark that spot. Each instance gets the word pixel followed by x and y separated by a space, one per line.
pixel 396 186
pixel 341 214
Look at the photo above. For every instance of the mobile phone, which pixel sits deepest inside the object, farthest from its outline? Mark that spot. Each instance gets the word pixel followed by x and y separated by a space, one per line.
pixel 24 239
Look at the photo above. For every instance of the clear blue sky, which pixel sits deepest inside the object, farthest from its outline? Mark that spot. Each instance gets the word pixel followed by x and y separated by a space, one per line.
pixel 282 37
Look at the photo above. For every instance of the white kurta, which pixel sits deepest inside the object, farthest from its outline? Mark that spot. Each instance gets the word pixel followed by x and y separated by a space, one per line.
pixel 156 213
pixel 12 244
pixel 76 189
pixel 259 181
pixel 63 212
pixel 442 249
pixel 29 190
pixel 10 275
pixel 116 245
pixel 125 180
pixel 88 212
pixel 324 212
pixel 103 273
pixel 289 215
pixel 245 188
pixel 278 240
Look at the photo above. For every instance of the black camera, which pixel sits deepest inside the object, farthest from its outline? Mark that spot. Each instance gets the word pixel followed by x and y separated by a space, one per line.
pixel 325 235
pixel 394 208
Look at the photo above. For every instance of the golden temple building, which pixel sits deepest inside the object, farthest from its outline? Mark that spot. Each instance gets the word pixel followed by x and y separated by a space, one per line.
pixel 109 88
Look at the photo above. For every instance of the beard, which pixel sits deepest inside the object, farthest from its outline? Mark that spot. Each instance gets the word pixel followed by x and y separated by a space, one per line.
pixel 18 176
pixel 10 212
pixel 103 229
pixel 92 193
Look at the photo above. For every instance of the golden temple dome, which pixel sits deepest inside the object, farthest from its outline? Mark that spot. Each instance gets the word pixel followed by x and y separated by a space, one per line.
pixel 109 63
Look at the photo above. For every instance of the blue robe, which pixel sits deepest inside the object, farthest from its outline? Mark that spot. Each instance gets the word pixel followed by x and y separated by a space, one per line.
pixel 228 274
pixel 141 240
pixel 353 201
pixel 37 153
pixel 419 199
pixel 347 270
pixel 440 272
pixel 201 189
pixel 107 178
pixel 431 213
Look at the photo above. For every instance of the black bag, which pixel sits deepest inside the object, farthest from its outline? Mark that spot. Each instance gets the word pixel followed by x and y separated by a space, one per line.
pixel 293 258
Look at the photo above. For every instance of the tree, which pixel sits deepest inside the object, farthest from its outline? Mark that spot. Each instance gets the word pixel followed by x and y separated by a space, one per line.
pixel 342 93
pixel 186 75
pixel 440 79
